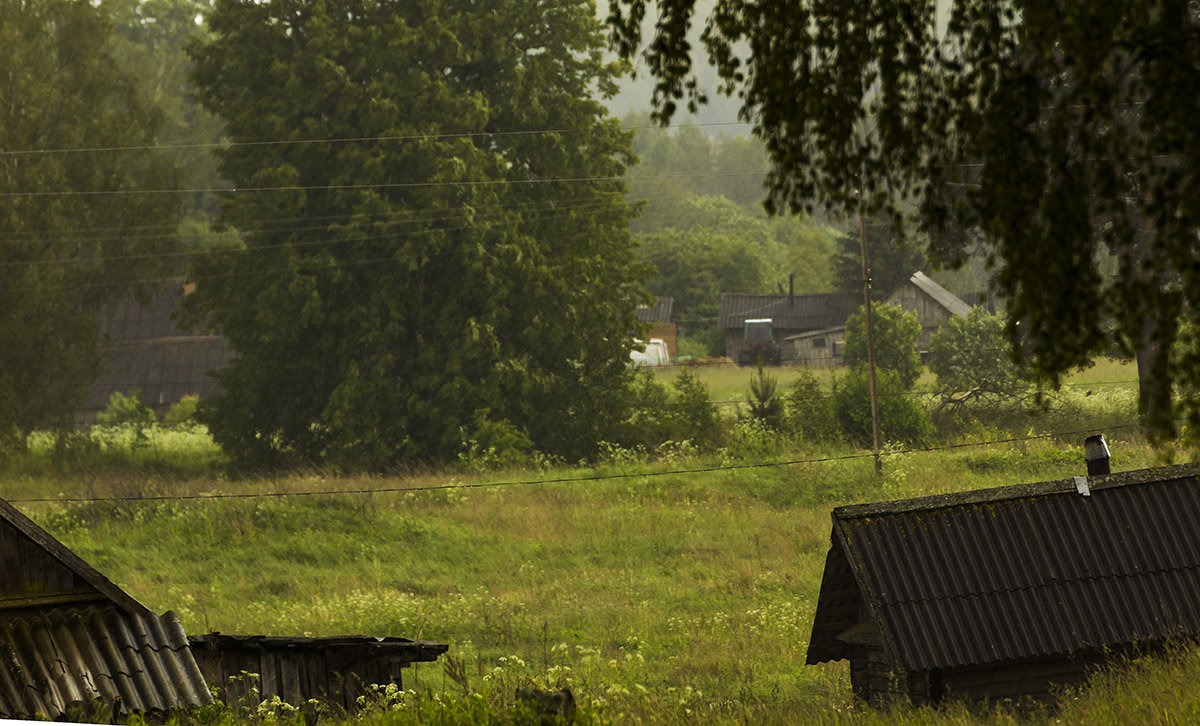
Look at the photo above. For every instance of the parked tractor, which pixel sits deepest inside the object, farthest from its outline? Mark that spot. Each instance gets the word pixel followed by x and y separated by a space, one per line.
pixel 759 343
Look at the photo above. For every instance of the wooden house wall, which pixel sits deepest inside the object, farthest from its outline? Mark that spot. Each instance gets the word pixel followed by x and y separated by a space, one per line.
pixel 296 675
pixel 932 315
pixel 877 679
pixel 668 334
pixel 802 352
pixel 29 574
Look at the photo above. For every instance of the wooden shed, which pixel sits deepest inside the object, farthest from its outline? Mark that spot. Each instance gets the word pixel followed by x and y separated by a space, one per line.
pixel 1010 592
pixel 74 645
pixel 933 304
pixel 335 670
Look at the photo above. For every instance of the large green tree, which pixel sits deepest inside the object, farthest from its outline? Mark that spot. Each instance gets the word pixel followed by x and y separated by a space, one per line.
pixel 455 251
pixel 78 191
pixel 1061 132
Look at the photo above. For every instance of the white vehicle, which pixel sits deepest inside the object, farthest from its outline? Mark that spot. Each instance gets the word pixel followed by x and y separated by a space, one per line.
pixel 656 353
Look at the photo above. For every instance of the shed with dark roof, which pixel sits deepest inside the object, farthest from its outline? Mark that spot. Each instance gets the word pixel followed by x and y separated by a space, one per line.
pixel 72 642
pixel 1009 592
pixel 337 670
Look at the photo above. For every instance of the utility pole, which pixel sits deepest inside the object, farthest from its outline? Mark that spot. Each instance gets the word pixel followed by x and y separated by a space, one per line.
pixel 866 280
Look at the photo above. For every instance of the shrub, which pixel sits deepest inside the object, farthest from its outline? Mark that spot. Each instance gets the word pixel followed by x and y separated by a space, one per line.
pixel 695 417
pixel 808 411
pixel 901 417
pixel 764 401
pixel 123 410
pixel 896 332
pixel 183 413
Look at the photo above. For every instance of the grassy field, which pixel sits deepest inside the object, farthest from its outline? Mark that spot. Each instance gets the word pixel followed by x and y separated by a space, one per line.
pixel 658 598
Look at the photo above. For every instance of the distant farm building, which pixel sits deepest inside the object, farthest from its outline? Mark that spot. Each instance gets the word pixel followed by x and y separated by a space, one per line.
pixel 932 303
pixel 789 314
pixel 75 645
pixel 1010 592
pixel 659 317
pixel 148 353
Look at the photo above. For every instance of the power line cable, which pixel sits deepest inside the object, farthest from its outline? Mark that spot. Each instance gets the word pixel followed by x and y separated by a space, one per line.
pixel 357 139
pixel 558 480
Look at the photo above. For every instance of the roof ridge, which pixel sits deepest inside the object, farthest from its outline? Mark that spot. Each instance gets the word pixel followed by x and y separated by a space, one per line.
pixel 1153 475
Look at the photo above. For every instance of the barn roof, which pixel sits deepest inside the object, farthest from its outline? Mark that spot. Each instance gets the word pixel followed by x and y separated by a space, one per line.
pixel 936 292
pixel 659 312
pixel 1016 572
pixel 149 353
pixel 789 312
pixel 36 568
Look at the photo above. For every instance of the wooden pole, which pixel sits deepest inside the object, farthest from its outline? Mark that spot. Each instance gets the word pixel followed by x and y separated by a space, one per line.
pixel 866 280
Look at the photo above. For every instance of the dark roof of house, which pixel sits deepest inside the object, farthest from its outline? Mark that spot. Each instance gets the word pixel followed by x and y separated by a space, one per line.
pixel 63 659
pixel 813 311
pixel 939 294
pixel 1016 572
pixel 70 636
pixel 400 648
pixel 149 353
pixel 659 312
pixel 163 370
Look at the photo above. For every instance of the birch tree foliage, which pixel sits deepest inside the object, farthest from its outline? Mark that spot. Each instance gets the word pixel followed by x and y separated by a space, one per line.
pixel 1060 135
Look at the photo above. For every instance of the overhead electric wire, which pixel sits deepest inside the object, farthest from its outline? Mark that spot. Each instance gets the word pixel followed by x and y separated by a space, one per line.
pixel 557 480
pixel 358 139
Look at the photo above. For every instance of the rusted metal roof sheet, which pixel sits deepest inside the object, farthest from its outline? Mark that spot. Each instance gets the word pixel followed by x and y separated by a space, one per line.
pixel 789 312
pixel 63 660
pixel 1017 572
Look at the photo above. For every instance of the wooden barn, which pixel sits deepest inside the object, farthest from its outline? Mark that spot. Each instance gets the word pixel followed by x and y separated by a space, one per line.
pixel 790 315
pixel 1009 592
pixel 74 645
pixel 933 304
pixel 149 353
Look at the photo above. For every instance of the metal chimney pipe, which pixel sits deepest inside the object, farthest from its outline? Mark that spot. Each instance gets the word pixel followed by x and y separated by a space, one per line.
pixel 1095 453
pixel 791 286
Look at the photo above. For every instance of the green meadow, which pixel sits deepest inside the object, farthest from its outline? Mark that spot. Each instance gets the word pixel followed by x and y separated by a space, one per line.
pixel 657 592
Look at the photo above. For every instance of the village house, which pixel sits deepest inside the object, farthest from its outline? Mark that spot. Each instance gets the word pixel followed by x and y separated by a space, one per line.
pixel 1011 592
pixel 932 303
pixel 790 314
pixel 658 317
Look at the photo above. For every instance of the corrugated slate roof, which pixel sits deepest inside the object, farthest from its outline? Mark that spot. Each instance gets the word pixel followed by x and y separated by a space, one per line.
pixel 659 312
pixel 1017 572
pixel 789 312
pixel 59 660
